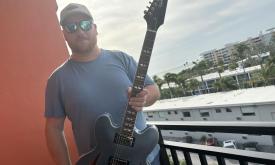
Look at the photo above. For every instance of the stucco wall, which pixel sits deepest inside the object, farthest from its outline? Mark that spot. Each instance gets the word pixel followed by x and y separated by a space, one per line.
pixel 31 46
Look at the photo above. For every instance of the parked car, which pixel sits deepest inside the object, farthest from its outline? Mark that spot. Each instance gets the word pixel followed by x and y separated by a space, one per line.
pixel 230 144
pixel 251 146
pixel 212 141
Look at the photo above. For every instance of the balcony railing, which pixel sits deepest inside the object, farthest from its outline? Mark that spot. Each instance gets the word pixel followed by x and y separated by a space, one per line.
pixel 242 156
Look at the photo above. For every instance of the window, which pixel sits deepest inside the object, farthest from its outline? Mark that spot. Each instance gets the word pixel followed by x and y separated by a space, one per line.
pixel 249 114
pixel 169 112
pixel 273 115
pixel 150 114
pixel 248 111
pixel 218 110
pixel 238 118
pixel 228 110
pixel 162 114
pixel 204 114
pixel 186 114
pixel 176 112
pixel 244 137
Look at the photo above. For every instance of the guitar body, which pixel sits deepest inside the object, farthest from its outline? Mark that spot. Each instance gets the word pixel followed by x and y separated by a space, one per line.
pixel 106 150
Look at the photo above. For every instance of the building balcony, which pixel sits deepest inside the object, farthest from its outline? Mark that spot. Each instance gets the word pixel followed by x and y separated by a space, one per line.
pixel 179 152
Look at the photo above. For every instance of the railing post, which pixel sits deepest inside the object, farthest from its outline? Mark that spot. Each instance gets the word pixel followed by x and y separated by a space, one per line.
pixel 164 160
pixel 220 160
pixel 203 159
pixel 175 157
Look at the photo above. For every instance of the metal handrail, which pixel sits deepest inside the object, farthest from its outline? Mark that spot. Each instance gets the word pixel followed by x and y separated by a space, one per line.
pixel 255 128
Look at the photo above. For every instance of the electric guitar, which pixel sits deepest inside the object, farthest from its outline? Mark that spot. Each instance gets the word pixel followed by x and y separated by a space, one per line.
pixel 126 145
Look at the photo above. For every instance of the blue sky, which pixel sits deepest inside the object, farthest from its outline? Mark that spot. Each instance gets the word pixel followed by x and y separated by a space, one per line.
pixel 190 28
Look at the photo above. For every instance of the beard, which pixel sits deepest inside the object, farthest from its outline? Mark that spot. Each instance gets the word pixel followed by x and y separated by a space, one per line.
pixel 82 46
pixel 81 49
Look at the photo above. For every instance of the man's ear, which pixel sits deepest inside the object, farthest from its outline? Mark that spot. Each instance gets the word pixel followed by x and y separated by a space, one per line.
pixel 64 33
pixel 95 28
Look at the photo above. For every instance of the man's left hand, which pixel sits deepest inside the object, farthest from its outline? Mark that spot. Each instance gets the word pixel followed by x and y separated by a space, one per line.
pixel 139 101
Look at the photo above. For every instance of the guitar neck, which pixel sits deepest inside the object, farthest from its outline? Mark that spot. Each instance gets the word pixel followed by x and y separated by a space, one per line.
pixel 143 64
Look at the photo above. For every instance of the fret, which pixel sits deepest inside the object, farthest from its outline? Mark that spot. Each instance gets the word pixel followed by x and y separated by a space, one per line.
pixel 140 77
pixel 145 59
pixel 143 65
pixel 127 130
pixel 129 125
pixel 131 112
pixel 146 52
pixel 129 119
pixel 139 82
pixel 152 30
pixel 137 88
pixel 142 70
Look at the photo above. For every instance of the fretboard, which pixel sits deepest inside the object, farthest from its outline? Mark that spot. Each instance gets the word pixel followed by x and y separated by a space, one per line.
pixel 143 64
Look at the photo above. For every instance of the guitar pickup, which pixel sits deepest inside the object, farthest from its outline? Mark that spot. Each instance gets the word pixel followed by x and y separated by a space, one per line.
pixel 124 140
pixel 114 160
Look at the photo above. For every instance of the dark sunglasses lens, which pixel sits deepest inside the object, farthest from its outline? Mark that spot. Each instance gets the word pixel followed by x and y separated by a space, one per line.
pixel 85 25
pixel 71 28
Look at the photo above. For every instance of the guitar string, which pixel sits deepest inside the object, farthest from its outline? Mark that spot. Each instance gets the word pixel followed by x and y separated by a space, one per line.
pixel 120 139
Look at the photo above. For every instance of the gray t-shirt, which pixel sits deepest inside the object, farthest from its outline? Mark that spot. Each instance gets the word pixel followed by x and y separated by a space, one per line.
pixel 82 91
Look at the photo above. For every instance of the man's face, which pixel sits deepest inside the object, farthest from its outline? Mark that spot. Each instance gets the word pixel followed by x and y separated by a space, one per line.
pixel 80 41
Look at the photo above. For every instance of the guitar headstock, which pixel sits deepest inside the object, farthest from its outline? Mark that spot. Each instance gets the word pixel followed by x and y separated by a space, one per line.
pixel 155 14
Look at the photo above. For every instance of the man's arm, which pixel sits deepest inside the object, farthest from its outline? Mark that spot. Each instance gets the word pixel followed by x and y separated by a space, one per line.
pixel 148 96
pixel 56 141
pixel 153 94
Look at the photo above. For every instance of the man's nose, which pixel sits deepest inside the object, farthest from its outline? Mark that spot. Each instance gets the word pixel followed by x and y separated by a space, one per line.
pixel 79 31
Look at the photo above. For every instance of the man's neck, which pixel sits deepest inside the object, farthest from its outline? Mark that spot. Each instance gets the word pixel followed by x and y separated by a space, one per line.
pixel 90 56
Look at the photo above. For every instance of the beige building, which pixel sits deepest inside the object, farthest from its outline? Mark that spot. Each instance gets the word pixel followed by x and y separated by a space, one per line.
pixel 225 53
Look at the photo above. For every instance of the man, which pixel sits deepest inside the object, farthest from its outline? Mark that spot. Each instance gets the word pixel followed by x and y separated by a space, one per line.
pixel 93 81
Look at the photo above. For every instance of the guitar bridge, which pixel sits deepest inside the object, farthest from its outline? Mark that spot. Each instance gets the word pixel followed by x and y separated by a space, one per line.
pixel 117 161
pixel 124 140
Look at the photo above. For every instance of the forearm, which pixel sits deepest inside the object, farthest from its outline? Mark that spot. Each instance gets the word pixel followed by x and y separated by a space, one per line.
pixel 153 94
pixel 57 146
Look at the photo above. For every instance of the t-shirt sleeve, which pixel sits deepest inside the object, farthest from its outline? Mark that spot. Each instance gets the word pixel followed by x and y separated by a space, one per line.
pixel 132 68
pixel 53 102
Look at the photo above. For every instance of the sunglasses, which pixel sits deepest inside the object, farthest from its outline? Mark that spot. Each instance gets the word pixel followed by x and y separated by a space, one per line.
pixel 84 25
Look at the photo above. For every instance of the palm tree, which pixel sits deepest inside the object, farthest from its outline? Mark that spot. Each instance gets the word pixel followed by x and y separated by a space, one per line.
pixel 271 45
pixel 193 84
pixel 200 68
pixel 219 67
pixel 225 84
pixel 158 81
pixel 169 78
pixel 181 81
pixel 233 63
pixel 241 55
pixel 258 49
pixel 268 71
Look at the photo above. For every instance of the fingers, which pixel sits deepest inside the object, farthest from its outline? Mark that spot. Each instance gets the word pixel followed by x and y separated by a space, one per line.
pixel 139 101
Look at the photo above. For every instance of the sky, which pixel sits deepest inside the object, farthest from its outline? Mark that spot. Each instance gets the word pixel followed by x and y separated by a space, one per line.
pixel 190 27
